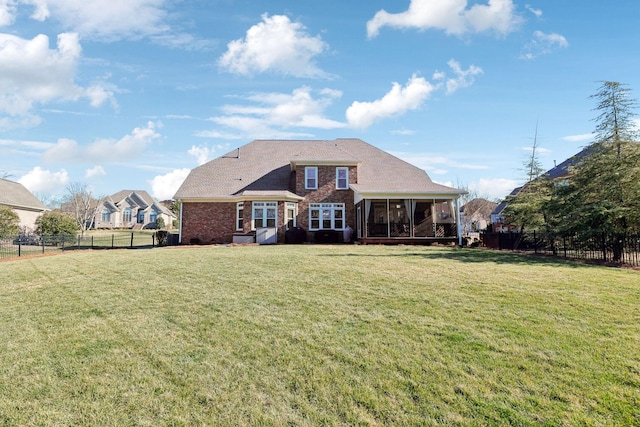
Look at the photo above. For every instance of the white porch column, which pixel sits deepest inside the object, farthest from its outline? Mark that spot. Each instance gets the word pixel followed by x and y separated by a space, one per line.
pixel 459 225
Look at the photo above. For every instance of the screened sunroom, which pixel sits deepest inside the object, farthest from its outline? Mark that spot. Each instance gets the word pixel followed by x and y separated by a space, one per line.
pixel 395 220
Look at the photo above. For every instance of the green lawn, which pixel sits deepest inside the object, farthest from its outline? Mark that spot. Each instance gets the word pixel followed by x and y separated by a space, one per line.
pixel 317 335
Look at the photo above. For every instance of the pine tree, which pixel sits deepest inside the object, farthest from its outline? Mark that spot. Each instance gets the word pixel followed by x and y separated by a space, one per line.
pixel 603 195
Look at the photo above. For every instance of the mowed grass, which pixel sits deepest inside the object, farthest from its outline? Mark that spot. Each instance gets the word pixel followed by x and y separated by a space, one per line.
pixel 317 335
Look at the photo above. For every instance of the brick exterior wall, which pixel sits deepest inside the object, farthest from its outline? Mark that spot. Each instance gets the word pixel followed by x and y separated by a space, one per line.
pixel 216 222
pixel 209 222
pixel 326 193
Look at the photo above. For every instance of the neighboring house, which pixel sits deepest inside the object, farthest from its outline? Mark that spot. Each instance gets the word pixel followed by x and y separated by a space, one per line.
pixel 26 205
pixel 498 221
pixel 131 209
pixel 270 190
pixel 475 215
pixel 559 174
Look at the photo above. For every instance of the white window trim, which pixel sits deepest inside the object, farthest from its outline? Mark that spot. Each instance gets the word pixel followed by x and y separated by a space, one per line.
pixel 294 206
pixel 338 169
pixel 264 206
pixel 239 207
pixel 306 177
pixel 331 206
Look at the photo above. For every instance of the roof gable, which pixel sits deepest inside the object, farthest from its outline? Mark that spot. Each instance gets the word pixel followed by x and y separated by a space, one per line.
pixel 16 195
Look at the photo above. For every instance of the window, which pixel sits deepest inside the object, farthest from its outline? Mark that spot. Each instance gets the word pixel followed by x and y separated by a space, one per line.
pixel 126 215
pixel 140 216
pixel 153 216
pixel 342 178
pixel 290 214
pixel 265 214
pixel 106 215
pixel 326 216
pixel 240 216
pixel 311 178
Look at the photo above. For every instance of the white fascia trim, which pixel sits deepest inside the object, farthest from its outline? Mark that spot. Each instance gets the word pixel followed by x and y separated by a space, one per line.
pixel 295 163
pixel 416 196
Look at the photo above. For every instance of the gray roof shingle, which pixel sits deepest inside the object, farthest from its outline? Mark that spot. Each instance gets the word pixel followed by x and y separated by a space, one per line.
pixel 16 195
pixel 265 165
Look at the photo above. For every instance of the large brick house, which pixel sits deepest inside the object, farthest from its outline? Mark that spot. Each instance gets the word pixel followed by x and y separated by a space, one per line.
pixel 265 190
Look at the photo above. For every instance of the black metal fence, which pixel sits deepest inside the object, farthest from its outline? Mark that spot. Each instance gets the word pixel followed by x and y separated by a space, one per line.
pixel 25 245
pixel 623 249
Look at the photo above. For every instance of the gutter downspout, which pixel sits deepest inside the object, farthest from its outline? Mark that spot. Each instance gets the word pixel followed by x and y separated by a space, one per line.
pixel 180 225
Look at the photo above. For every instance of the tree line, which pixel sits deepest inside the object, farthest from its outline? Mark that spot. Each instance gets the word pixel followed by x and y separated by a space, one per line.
pixel 601 193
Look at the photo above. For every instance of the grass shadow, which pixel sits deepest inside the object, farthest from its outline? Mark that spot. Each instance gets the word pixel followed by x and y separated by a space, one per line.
pixel 479 256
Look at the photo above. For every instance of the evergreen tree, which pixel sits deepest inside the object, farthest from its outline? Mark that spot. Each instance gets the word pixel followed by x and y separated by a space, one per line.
pixel 603 196
pixel 527 209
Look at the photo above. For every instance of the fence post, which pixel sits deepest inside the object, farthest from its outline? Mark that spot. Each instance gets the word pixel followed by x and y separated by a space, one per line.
pixel 535 243
pixel 91 242
pixel 131 239
pixel 43 244
pixel 112 237
pixel 19 247
pixel 153 240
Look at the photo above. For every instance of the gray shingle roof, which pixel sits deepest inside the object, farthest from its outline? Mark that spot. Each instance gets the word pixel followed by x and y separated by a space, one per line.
pixel 265 165
pixel 15 194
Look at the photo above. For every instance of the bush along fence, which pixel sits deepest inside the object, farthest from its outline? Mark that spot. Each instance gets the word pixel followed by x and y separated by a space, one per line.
pixel 33 245
pixel 621 249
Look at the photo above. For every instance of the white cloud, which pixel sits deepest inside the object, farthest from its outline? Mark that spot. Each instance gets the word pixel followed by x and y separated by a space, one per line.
pixel 31 73
pixel 268 111
pixel 543 44
pixel 578 138
pixel 451 16
pixel 44 181
pixel 493 188
pixel 163 187
pixel 536 12
pixel 397 101
pixel 7 12
pixel 95 171
pixel 106 19
pixel 539 150
pixel 202 153
pixel 275 45
pixel 104 150
pixel 463 78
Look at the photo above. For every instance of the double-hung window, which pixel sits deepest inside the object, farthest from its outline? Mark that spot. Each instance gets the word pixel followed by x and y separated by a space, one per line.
pixel 106 215
pixel 342 178
pixel 290 213
pixel 326 216
pixel 311 178
pixel 239 216
pixel 265 214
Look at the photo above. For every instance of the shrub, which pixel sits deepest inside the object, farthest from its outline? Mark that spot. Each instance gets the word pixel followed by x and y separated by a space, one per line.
pixel 9 222
pixel 56 222
pixel 162 237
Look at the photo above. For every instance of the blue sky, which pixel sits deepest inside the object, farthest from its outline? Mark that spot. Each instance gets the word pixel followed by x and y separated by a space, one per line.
pixel 132 94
